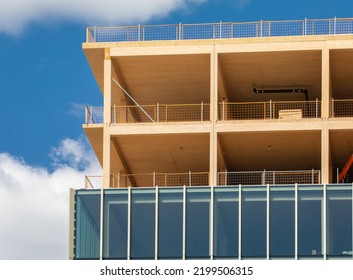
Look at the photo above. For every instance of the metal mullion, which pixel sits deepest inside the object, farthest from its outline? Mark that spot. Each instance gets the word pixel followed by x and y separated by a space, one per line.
pixel 296 223
pixel 184 221
pixel 324 222
pixel 268 222
pixel 211 223
pixel 239 222
pixel 156 225
pixel 101 226
pixel 128 223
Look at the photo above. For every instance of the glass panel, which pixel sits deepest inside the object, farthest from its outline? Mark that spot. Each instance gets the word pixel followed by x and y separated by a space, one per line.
pixel 87 228
pixel 170 223
pixel 282 221
pixel 197 222
pixel 115 224
pixel 310 220
pixel 226 211
pixel 253 219
pixel 143 223
pixel 339 220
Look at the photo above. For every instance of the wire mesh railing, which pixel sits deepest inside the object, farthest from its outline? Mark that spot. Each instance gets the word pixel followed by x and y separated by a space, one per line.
pixel 269 177
pixel 269 110
pixel 93 115
pixel 150 180
pixel 220 30
pixel 161 113
pixel 341 108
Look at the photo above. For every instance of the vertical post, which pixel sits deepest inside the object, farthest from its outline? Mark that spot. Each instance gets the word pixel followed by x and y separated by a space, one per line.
pixel 202 111
pixel 305 26
pixel 226 178
pixel 190 180
pixel 184 222
pixel 317 108
pixel 263 177
pixel 156 226
pixel 101 226
pixel 337 175
pixel 71 224
pixel 154 179
pixel 95 34
pixel 268 222
pixel 107 118
pixel 296 222
pixel 128 223
pixel 223 109
pixel 180 31
pixel 261 28
pixel 270 109
pixel 139 32
pixel 239 222
pixel 157 112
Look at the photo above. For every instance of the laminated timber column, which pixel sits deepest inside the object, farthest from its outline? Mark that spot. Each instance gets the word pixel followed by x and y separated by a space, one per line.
pixel 325 105
pixel 107 117
pixel 213 115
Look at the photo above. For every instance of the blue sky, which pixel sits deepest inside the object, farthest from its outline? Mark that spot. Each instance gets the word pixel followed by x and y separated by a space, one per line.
pixel 45 81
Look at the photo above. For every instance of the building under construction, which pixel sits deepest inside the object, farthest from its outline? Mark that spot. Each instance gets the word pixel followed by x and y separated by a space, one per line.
pixel 225 140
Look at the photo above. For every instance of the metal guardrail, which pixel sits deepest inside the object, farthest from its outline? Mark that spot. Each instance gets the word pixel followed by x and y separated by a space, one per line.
pixel 220 30
pixel 269 177
pixel 161 113
pixel 93 115
pixel 341 108
pixel 269 110
pixel 151 180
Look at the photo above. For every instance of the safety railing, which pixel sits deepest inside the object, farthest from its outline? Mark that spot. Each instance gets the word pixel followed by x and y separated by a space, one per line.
pixel 341 108
pixel 161 113
pixel 93 115
pixel 220 30
pixel 151 180
pixel 269 177
pixel 269 110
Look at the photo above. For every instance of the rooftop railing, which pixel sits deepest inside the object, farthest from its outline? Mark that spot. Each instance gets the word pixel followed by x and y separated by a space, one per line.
pixel 220 30
pixel 269 177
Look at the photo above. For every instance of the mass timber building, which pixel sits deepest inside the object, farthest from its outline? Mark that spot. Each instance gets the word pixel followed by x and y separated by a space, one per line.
pixel 226 140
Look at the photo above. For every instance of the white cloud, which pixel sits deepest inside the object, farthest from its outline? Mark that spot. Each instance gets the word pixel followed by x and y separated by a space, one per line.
pixel 16 14
pixel 34 202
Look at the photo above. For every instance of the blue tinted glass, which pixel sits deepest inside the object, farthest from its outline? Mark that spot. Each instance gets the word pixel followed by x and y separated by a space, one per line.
pixel 253 219
pixel 143 223
pixel 282 221
pixel 170 223
pixel 115 224
pixel 226 210
pixel 310 220
pixel 339 221
pixel 197 222
pixel 87 229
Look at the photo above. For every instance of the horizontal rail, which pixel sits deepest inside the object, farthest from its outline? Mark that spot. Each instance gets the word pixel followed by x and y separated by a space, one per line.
pixel 161 113
pixel 220 30
pixel 269 177
pixel 269 110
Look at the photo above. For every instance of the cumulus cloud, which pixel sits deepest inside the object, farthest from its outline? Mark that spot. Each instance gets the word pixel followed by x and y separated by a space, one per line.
pixel 34 202
pixel 16 14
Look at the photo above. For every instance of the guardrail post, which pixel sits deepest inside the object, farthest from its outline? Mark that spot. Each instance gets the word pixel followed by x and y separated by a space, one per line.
pixel 157 112
pixel 180 31
pixel 261 28
pixel 95 34
pixel 139 32
pixel 202 111
pixel 305 26
pixel 270 109
pixel 223 110
pixel 312 176
pixel 263 177
pixel 226 178
pixel 154 178
pixel 190 182
pixel 317 107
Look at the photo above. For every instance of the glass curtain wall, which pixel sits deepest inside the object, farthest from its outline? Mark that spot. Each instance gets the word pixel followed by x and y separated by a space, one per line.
pixel 239 222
